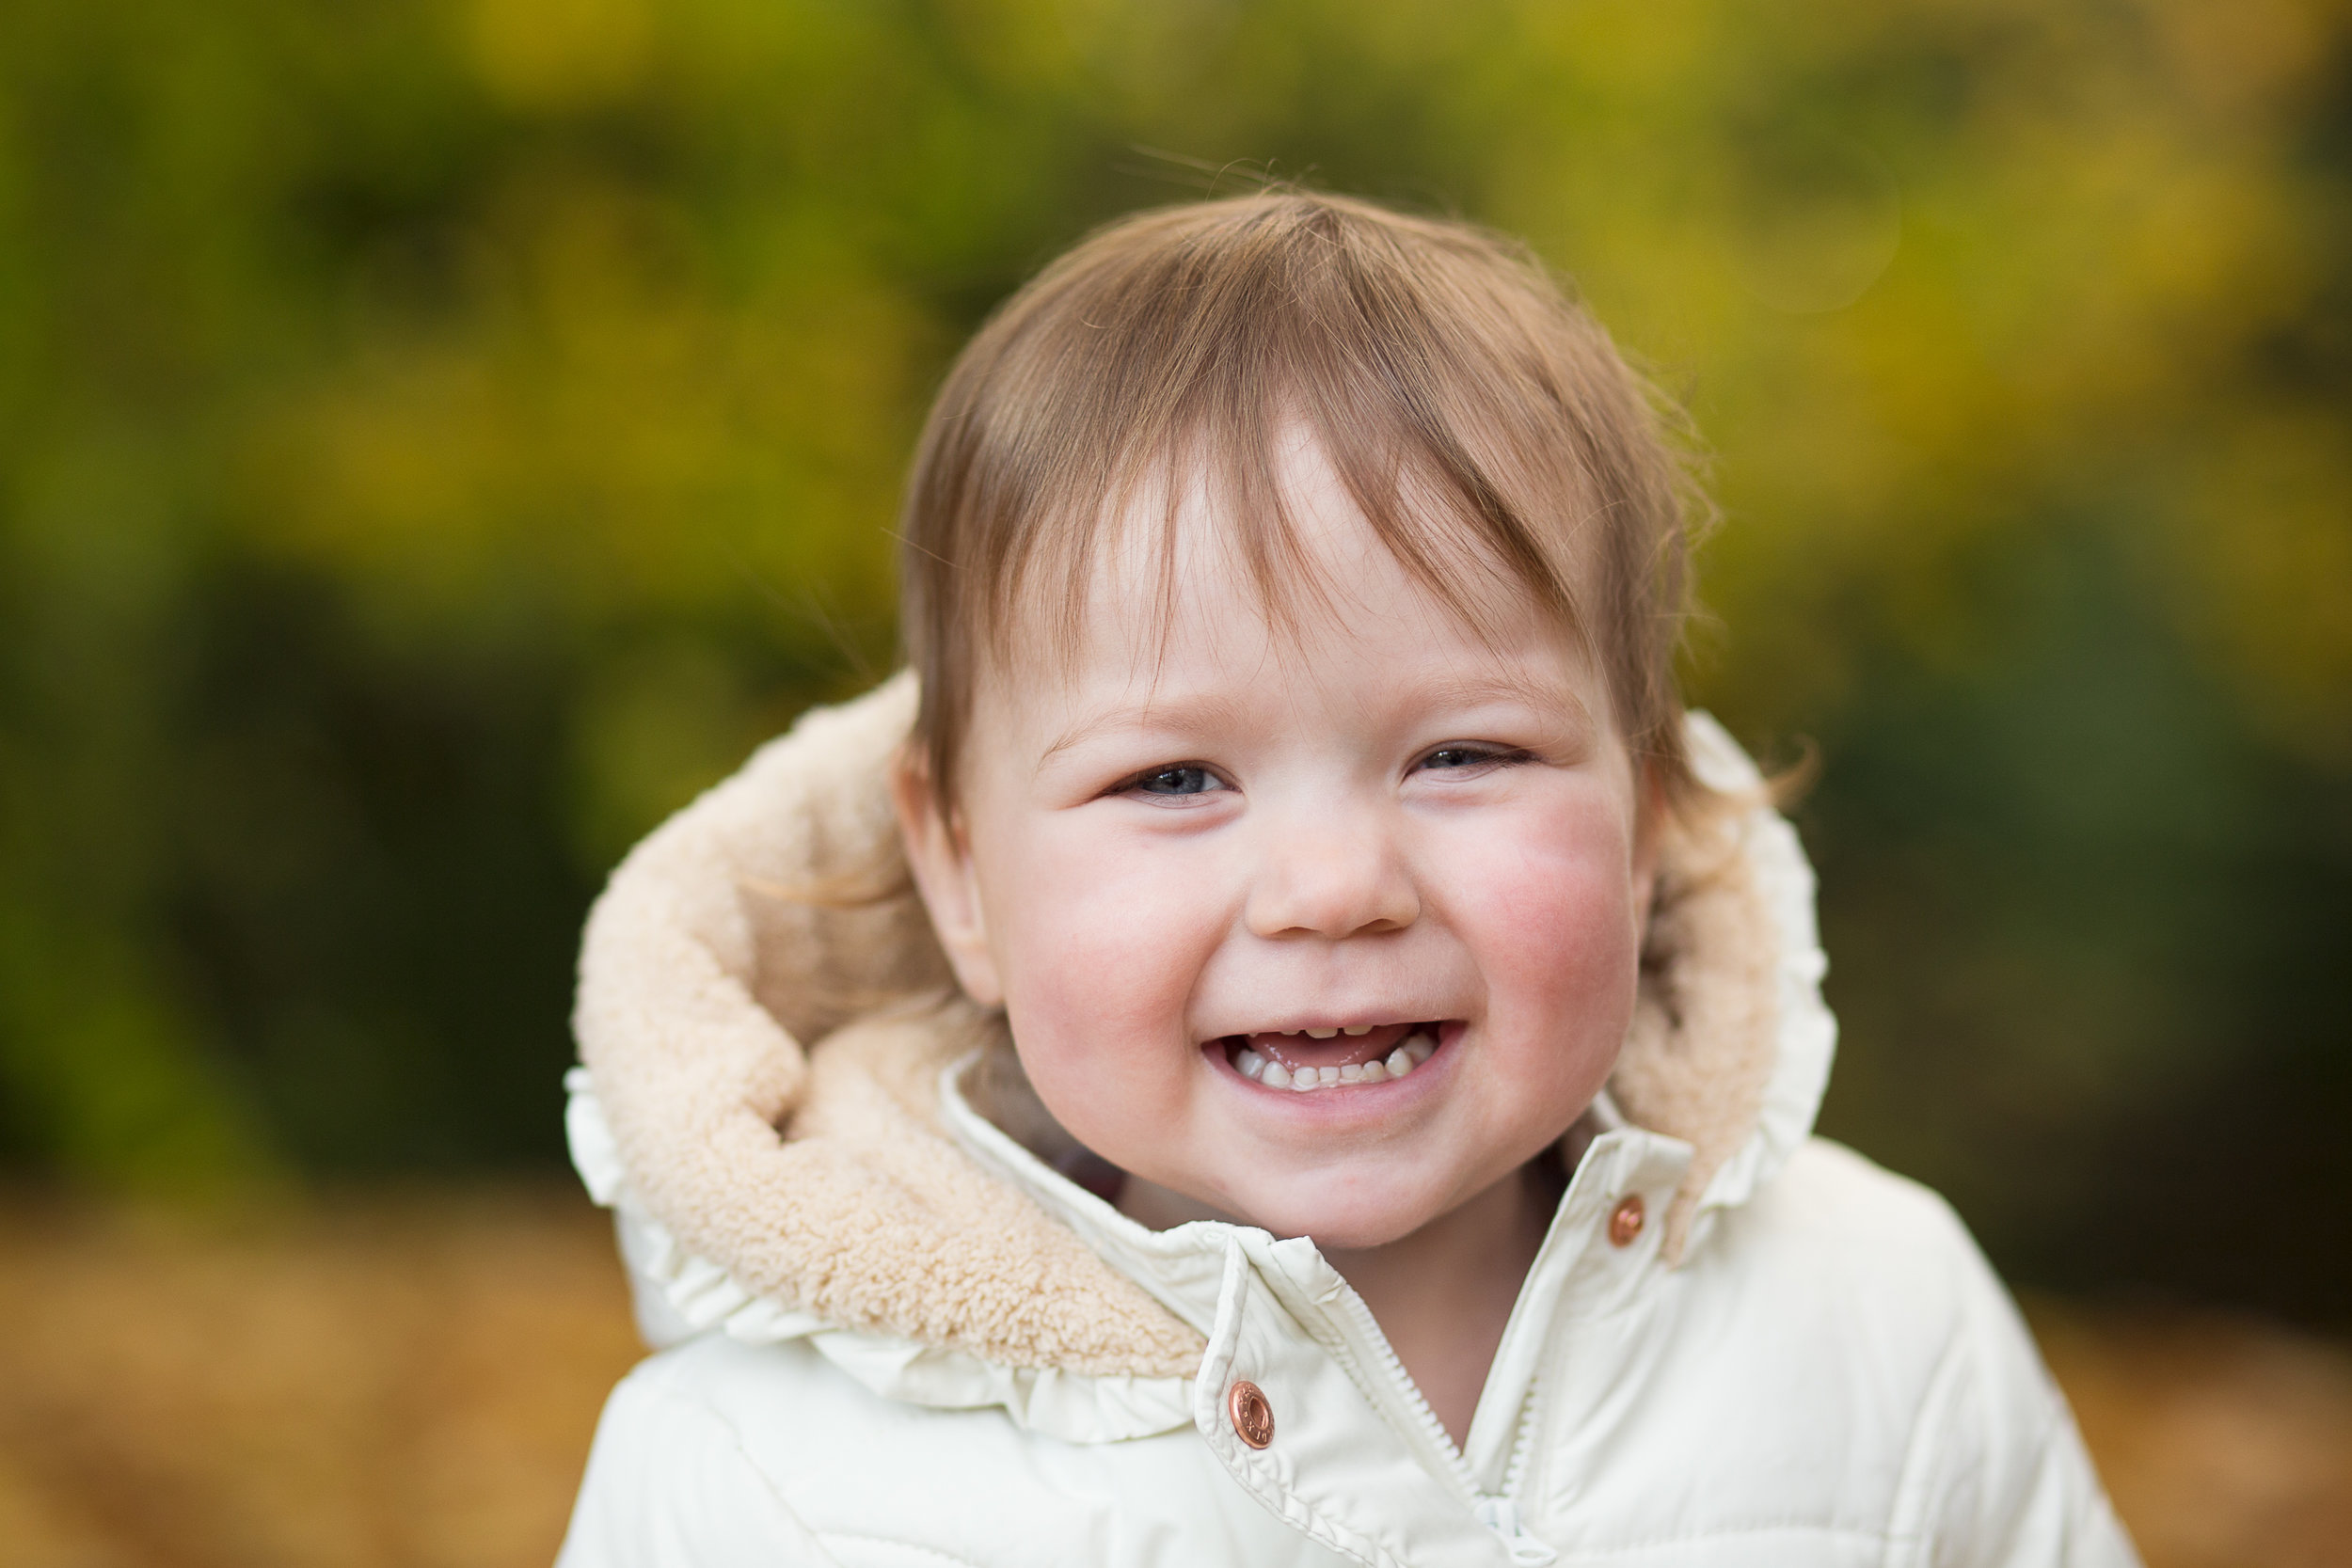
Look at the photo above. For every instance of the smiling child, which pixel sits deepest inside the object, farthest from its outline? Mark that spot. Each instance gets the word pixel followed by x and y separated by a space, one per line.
pixel 1278 1040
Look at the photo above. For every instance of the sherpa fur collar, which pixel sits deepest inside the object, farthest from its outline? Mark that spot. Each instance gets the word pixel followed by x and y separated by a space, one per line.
pixel 765 1015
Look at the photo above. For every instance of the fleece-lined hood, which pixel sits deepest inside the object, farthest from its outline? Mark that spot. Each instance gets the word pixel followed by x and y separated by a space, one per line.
pixel 766 1023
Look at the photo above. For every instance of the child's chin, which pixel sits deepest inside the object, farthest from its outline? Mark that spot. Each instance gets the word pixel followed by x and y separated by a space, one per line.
pixel 1351 1227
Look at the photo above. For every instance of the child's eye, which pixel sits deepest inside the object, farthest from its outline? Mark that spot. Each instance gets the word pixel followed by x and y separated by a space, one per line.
pixel 1462 758
pixel 1186 779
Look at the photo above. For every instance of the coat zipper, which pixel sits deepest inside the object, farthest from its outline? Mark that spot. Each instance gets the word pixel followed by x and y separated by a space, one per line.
pixel 1499 1513
pixel 1523 1443
pixel 1362 1330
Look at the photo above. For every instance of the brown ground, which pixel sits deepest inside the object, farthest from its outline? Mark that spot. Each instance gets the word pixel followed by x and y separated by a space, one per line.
pixel 413 1382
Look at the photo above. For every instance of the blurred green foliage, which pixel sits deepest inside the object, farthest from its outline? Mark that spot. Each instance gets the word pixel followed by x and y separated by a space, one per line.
pixel 438 436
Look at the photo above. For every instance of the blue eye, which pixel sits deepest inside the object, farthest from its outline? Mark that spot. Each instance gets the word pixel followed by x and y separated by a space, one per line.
pixel 1186 780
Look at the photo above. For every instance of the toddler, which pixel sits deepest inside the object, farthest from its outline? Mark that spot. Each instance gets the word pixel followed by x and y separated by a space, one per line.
pixel 1276 1040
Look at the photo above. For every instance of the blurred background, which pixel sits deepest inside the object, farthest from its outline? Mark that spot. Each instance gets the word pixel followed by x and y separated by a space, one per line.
pixel 437 437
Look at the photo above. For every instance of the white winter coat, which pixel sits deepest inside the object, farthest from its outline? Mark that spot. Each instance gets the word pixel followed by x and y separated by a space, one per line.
pixel 891 1334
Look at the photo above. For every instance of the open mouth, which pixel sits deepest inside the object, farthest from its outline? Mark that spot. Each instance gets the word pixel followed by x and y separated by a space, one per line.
pixel 1309 1060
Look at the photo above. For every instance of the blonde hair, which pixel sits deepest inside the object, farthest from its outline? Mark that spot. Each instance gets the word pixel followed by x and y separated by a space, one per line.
pixel 1483 423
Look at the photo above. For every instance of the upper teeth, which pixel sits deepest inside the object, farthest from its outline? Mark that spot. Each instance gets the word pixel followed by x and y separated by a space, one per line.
pixel 1414 1049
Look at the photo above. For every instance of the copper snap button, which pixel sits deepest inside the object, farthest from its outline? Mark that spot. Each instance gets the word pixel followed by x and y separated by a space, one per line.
pixel 1626 1223
pixel 1254 1419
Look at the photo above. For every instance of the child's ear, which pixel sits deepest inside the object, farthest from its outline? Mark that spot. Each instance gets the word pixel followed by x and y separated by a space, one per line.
pixel 942 864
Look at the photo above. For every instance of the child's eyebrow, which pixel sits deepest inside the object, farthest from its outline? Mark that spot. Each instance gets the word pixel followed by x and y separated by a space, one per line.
pixel 1542 693
pixel 1195 714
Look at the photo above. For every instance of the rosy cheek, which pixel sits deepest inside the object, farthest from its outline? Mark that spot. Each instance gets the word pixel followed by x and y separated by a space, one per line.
pixel 1554 913
pixel 1100 957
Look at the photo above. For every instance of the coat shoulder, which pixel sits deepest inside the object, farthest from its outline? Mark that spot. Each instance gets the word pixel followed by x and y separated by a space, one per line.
pixel 1845 1198
pixel 1833 1300
pixel 1876 1273
pixel 1835 1366
pixel 1865 1243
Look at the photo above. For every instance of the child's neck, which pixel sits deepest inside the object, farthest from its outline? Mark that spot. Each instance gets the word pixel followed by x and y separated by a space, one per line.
pixel 1442 1294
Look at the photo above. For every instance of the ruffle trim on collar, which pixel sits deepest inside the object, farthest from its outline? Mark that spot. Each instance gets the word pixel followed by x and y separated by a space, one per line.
pixel 1805 1031
pixel 1731 1042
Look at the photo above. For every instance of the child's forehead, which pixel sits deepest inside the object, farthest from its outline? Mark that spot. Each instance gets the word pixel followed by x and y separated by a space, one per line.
pixel 1267 553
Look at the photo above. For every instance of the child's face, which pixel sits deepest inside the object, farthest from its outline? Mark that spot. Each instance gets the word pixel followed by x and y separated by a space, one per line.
pixel 1179 861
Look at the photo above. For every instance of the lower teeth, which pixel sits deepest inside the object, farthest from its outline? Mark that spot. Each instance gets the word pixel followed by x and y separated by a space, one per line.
pixel 1414 1049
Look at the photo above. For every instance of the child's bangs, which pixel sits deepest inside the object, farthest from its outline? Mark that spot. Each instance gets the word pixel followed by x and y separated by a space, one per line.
pixel 1478 511
pixel 1230 475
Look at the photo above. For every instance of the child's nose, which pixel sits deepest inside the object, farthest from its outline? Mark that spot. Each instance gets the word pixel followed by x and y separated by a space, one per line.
pixel 1329 874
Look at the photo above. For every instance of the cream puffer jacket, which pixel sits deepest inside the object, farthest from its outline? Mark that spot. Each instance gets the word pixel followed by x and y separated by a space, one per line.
pixel 891 1334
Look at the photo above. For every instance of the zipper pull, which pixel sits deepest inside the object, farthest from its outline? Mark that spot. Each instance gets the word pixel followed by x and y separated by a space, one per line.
pixel 1502 1515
